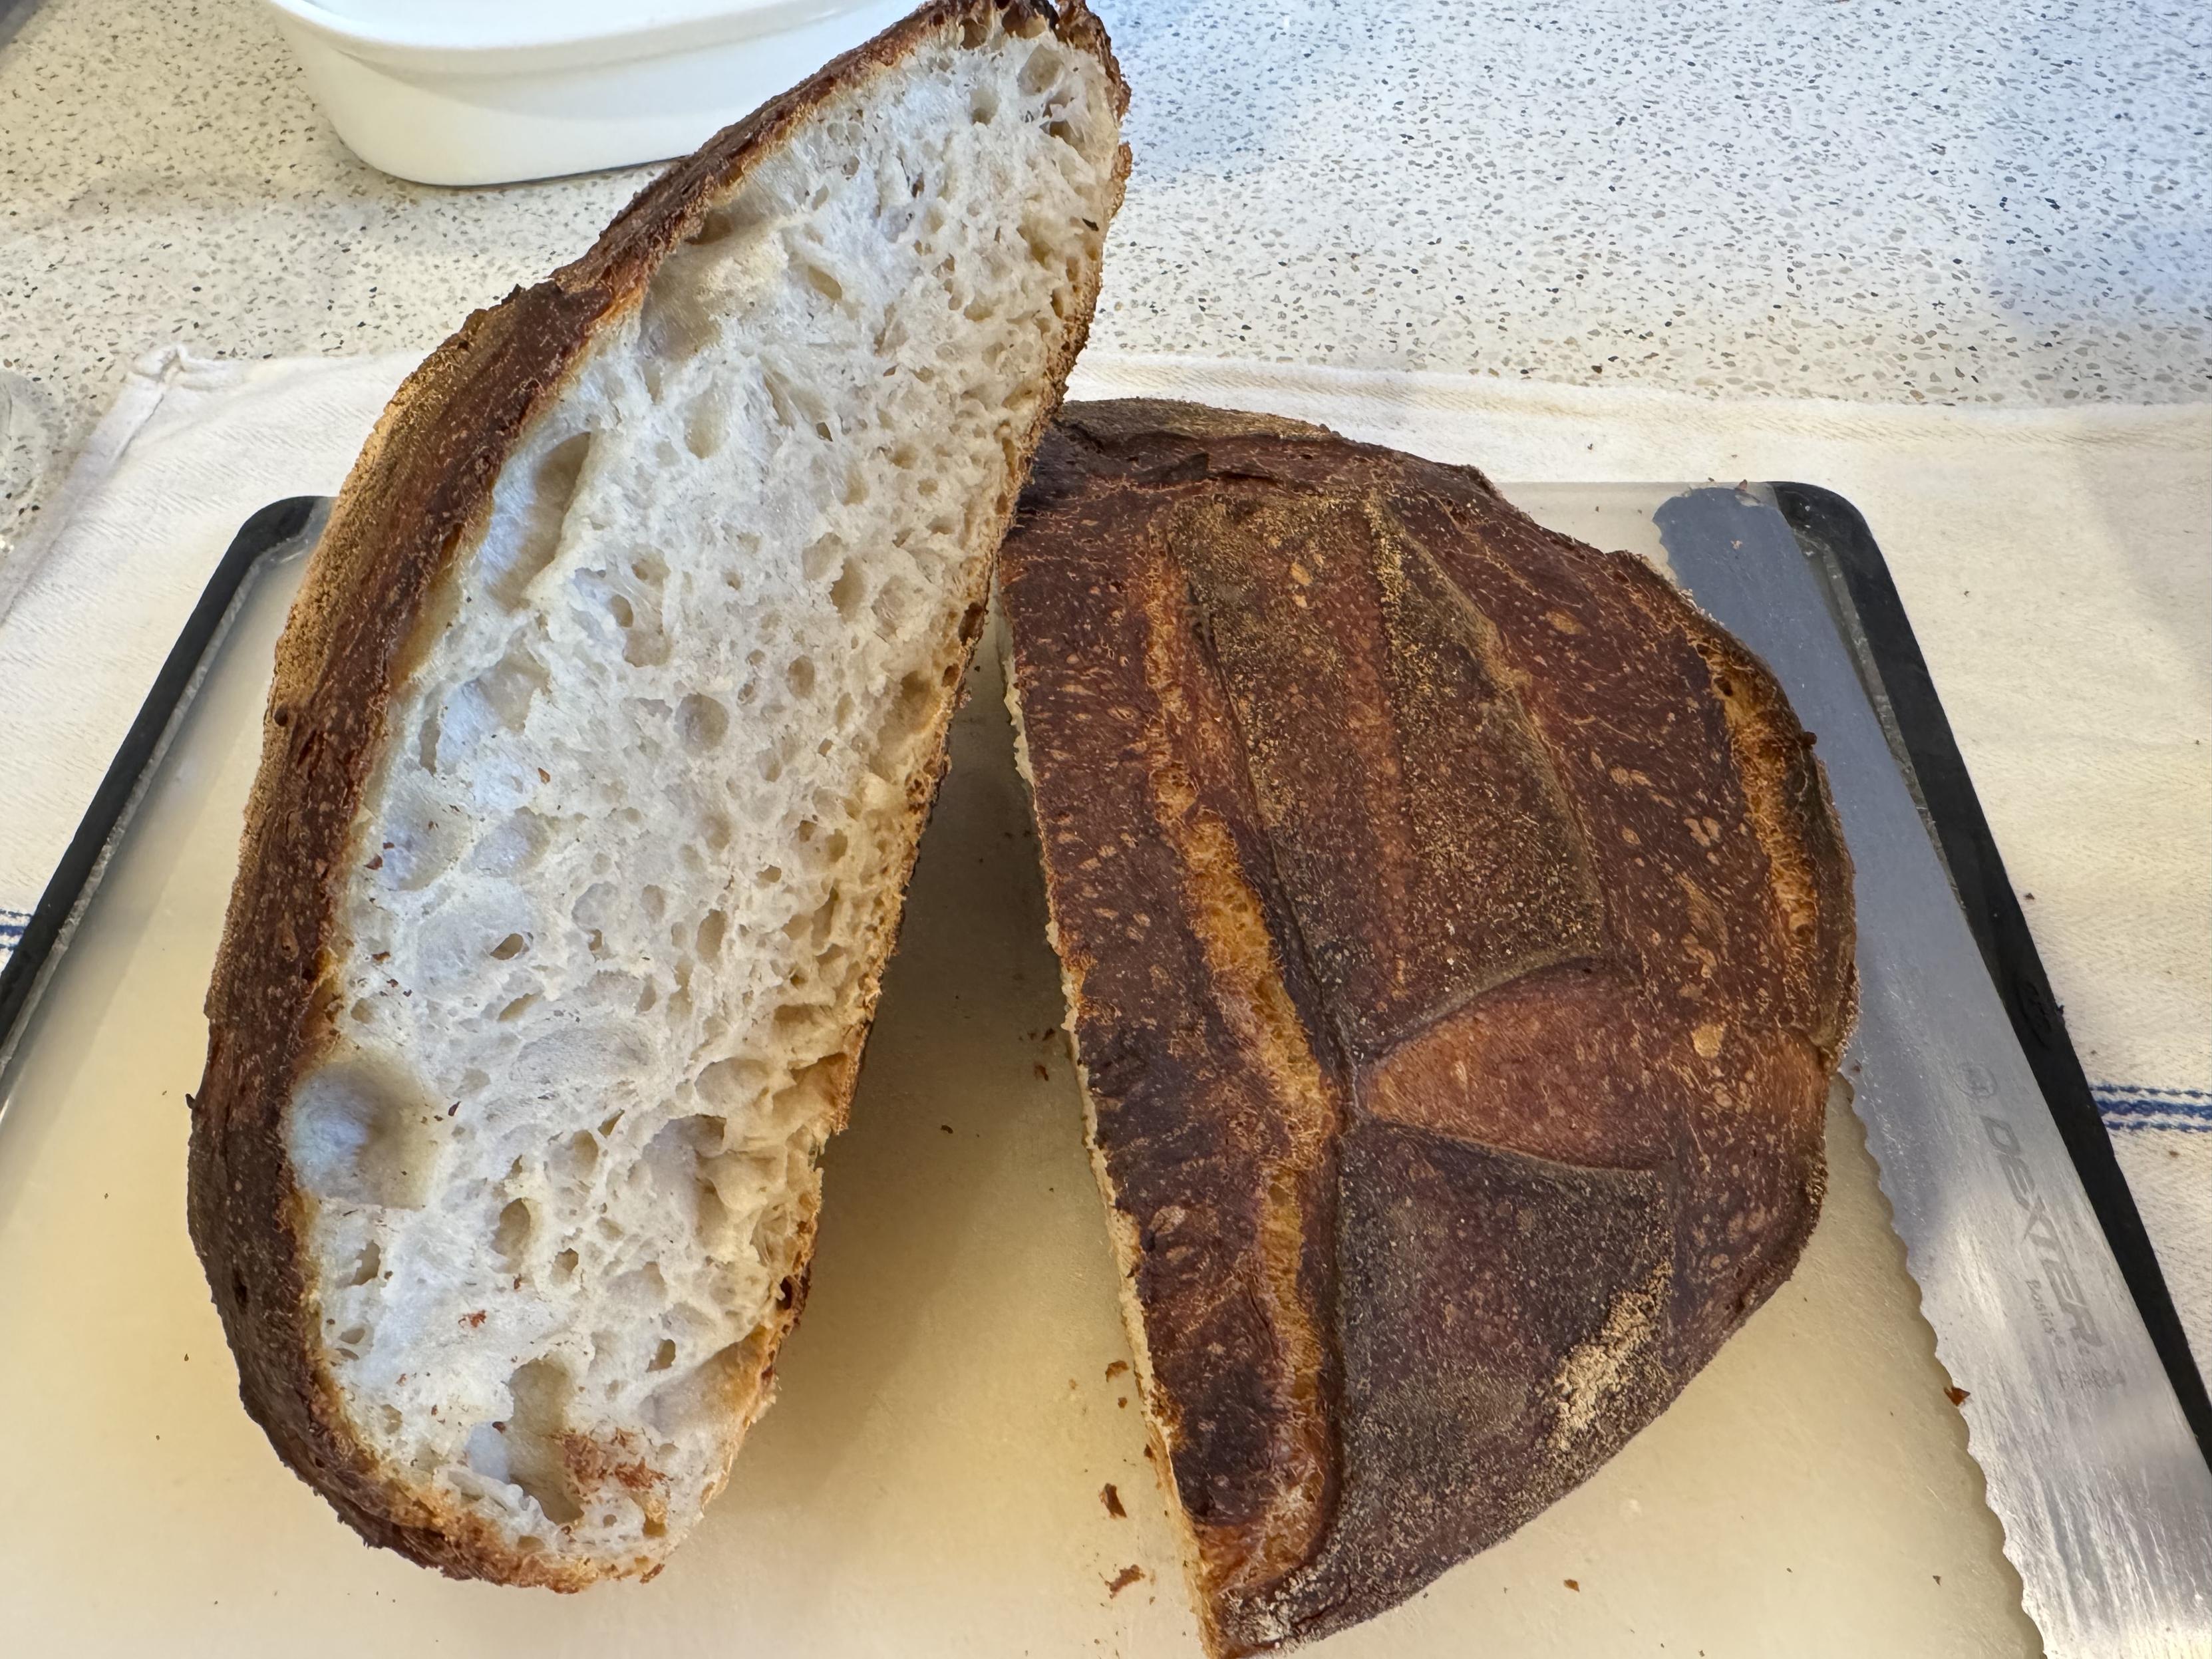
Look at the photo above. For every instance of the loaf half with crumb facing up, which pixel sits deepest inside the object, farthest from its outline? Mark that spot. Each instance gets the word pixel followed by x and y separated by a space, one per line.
pixel 1457 941
pixel 602 733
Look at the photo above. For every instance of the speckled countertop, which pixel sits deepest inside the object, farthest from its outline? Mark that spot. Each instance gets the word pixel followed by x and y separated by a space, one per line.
pixel 1997 201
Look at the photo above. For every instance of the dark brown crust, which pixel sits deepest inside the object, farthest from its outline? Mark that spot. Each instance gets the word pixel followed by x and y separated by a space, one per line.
pixel 421 488
pixel 1458 943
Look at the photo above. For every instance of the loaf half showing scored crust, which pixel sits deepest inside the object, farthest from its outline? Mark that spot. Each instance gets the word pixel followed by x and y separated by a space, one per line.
pixel 602 733
pixel 1457 942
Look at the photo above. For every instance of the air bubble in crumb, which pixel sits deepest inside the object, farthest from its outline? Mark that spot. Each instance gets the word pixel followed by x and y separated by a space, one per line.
pixel 701 721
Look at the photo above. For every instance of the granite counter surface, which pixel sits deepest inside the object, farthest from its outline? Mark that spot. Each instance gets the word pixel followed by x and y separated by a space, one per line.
pixel 1984 201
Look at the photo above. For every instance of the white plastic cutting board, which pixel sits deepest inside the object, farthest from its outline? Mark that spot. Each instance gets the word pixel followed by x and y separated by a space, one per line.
pixel 952 1405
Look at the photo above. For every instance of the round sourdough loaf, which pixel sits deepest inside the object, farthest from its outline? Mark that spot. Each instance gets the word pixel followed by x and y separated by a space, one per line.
pixel 1457 941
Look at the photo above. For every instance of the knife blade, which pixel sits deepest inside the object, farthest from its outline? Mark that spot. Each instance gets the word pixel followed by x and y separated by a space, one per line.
pixel 2104 1495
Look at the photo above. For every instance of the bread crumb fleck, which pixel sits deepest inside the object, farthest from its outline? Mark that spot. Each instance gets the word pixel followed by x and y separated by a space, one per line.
pixel 1122 1580
pixel 1112 1500
pixel 1597 1369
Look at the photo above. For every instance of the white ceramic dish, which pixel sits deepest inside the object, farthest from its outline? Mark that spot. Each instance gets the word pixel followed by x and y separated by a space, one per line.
pixel 483 92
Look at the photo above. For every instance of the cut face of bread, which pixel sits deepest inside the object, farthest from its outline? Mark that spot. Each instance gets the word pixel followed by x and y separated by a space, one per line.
pixel 1457 941
pixel 600 744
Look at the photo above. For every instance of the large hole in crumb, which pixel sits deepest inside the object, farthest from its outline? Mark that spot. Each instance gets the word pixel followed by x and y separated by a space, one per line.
pixel 511 1239
pixel 701 721
pixel 423 836
pixel 507 686
pixel 512 847
pixel 367 1265
pixel 362 1135
pixel 707 427
pixel 516 549
pixel 576 1157
pixel 677 321
pixel 533 1437
pixel 747 211
pixel 729 1084
pixel 708 1395
pixel 821 557
pixel 671 1160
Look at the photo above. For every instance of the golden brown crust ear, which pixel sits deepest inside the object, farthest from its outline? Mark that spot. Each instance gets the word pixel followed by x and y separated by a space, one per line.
pixel 422 486
pixel 1458 945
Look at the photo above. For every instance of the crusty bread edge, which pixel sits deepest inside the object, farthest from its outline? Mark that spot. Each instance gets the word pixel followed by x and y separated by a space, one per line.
pixel 1120 1224
pixel 420 492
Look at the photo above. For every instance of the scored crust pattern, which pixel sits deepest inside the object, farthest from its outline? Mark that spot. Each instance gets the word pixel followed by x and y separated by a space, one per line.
pixel 1458 944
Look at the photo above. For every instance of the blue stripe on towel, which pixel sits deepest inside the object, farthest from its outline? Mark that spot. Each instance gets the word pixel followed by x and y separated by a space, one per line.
pixel 2150 1106
pixel 12 923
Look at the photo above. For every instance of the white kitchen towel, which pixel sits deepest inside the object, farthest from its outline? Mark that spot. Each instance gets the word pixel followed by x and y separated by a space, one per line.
pixel 92 601
pixel 2057 565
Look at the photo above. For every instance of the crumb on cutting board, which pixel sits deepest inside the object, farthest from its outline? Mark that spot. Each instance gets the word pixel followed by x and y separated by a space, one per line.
pixel 1122 1580
pixel 1112 1500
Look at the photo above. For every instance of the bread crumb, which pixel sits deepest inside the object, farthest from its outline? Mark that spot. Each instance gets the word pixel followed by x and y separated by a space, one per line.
pixel 1958 1397
pixel 1122 1580
pixel 1112 1500
pixel 1574 1585
pixel 1117 1369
